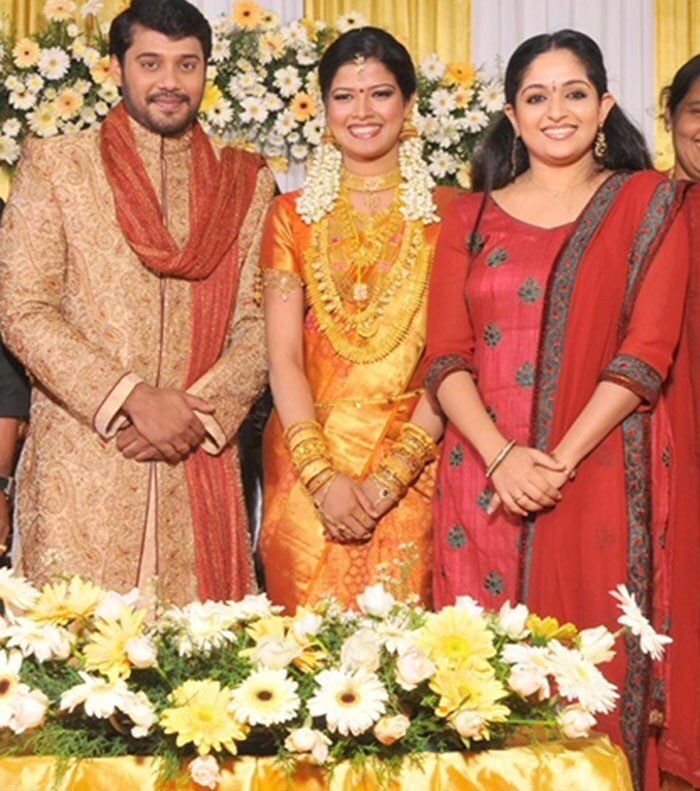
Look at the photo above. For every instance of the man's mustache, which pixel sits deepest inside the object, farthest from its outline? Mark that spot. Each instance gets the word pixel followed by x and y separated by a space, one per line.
pixel 153 97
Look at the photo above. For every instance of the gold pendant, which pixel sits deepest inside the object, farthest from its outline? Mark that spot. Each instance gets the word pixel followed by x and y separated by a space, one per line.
pixel 360 292
pixel 367 328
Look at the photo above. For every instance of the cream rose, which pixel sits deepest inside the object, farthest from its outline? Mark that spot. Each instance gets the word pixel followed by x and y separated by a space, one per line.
pixel 204 771
pixel 390 729
pixel 141 652
pixel 575 722
pixel 308 740
pixel 412 667
pixel 376 601
pixel 361 650
pixel 28 709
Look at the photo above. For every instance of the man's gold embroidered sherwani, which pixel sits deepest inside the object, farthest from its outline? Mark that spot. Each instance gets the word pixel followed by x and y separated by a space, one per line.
pixel 89 320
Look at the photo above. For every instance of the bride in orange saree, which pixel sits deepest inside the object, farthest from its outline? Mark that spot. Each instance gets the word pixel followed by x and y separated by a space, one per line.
pixel 348 451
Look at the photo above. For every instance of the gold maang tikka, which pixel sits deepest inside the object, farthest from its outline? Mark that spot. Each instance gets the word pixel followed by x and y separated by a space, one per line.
pixel 359 63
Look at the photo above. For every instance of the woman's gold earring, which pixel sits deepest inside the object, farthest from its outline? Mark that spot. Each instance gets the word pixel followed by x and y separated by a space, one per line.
pixel 600 145
pixel 514 158
pixel 408 130
pixel 327 137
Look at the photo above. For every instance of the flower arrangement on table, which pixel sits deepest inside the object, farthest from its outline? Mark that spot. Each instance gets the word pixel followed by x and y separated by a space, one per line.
pixel 86 672
pixel 262 88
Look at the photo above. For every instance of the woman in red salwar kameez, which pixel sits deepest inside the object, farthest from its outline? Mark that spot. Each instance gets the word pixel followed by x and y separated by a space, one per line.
pixel 555 308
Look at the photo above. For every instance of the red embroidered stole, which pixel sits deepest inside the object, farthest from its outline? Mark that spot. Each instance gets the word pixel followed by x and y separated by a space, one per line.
pixel 220 192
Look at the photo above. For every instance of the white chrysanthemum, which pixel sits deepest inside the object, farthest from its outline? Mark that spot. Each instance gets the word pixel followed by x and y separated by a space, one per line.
pixel 45 642
pixel 42 121
pixel 442 163
pixel 15 591
pixel 288 81
pixel 53 63
pixel 99 697
pixel 375 601
pixel 285 124
pixel 491 97
pixel 351 702
pixel 442 102
pixel 203 626
pixel 272 102
pixel 651 641
pixel 580 680
pixel 431 67
pixel 266 697
pixel 350 21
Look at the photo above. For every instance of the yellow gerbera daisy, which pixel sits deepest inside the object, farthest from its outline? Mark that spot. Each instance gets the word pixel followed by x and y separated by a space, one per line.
pixel 303 106
pixel 59 10
pixel 200 715
pixel 246 14
pixel 549 628
pixel 68 102
pixel 455 635
pixel 212 94
pixel 26 53
pixel 459 74
pixel 62 602
pixel 106 652
pixel 100 71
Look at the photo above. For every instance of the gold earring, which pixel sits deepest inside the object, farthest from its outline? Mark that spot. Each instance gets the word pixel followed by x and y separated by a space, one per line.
pixel 408 131
pixel 327 137
pixel 600 145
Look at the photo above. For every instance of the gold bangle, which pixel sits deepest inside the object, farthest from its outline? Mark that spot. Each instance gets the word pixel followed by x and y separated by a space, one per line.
pixel 502 453
pixel 297 426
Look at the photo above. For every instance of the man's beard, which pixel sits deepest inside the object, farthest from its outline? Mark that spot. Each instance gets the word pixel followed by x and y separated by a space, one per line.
pixel 161 124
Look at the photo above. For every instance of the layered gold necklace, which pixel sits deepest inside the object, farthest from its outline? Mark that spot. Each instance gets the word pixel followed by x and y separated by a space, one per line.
pixel 357 265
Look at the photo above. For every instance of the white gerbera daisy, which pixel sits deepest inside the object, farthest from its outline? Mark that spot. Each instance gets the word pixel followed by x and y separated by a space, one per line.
pixel 15 591
pixel 432 67
pixel 475 120
pixel 351 702
pixel 53 63
pixel 288 81
pixel 442 102
pixel 580 680
pixel 652 643
pixel 266 697
pixel 99 696
pixel 254 110
pixel 491 97
pixel 22 99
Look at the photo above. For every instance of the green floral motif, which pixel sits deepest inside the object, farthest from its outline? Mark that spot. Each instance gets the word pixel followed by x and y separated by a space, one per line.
pixel 474 242
pixel 666 456
pixel 456 537
pixel 492 334
pixel 491 412
pixel 493 582
pixel 497 257
pixel 456 455
pixel 484 498
pixel 525 375
pixel 529 290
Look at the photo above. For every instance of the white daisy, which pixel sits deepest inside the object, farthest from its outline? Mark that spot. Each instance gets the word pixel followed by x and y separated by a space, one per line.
pixel 288 81
pixel 219 49
pixel 432 67
pixel 272 102
pixel 580 680
pixel 491 97
pixel 266 697
pixel 108 92
pixel 351 702
pixel 12 127
pixel 91 57
pixel 42 121
pixel 475 120
pixel 285 123
pixel 34 83
pixel 442 102
pixel 54 63
pixel 22 99
pixel 220 114
pixel 295 34
pixel 441 163
pixel 101 108
pixel 652 643
pixel 299 152
pixel 254 110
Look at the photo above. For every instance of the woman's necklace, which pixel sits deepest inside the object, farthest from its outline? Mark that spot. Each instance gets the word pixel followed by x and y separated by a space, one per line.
pixel 370 186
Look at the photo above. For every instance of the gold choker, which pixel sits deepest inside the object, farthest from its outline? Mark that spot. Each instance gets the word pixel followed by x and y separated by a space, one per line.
pixel 357 183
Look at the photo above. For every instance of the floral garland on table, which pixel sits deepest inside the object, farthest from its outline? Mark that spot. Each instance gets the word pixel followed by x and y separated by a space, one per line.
pixel 85 672
pixel 262 87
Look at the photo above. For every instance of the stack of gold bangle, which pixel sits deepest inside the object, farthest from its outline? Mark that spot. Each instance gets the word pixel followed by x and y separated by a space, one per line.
pixel 311 457
pixel 413 449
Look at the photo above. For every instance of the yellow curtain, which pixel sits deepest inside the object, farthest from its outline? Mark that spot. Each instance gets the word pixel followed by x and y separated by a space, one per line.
pixel 26 16
pixel 442 26
pixel 676 39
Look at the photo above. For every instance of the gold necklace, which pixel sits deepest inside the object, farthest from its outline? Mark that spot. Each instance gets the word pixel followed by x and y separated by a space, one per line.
pixel 360 333
pixel 369 186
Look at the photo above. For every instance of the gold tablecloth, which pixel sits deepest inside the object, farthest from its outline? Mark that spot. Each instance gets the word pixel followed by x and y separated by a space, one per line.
pixel 583 765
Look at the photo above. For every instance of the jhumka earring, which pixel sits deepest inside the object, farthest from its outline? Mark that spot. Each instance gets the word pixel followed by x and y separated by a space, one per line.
pixel 408 130
pixel 600 144
pixel 514 158
pixel 327 137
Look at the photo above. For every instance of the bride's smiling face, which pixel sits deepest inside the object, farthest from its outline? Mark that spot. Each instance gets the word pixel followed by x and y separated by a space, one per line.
pixel 365 111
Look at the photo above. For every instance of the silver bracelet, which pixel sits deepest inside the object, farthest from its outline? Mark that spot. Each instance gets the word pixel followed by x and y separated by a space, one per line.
pixel 505 450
